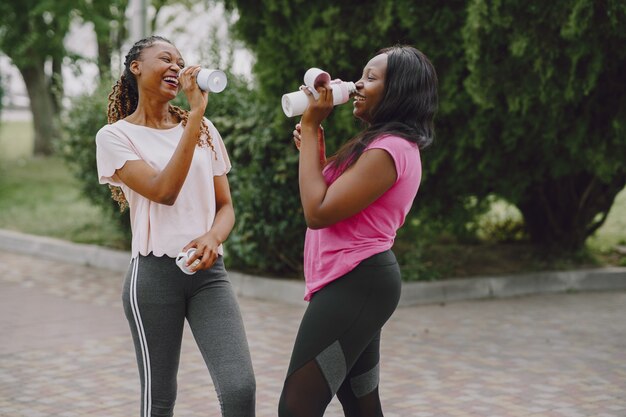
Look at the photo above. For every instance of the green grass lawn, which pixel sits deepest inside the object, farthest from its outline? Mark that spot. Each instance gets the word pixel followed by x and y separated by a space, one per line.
pixel 609 242
pixel 613 231
pixel 40 196
pixel 16 139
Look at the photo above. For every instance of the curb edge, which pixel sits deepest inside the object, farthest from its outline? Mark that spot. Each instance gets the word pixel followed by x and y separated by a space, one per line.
pixel 291 292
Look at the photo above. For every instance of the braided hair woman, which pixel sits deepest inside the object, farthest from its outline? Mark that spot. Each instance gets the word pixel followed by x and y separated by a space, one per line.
pixel 169 166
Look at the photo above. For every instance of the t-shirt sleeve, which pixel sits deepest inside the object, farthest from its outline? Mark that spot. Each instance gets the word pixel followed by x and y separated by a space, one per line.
pixel 112 152
pixel 221 161
pixel 398 148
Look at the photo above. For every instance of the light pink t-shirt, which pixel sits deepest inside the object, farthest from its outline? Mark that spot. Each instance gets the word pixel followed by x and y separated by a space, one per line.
pixel 333 251
pixel 158 228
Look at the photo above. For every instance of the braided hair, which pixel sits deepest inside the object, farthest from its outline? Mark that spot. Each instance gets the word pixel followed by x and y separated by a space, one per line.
pixel 124 98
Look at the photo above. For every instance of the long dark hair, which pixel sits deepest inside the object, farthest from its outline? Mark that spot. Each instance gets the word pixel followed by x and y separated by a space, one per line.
pixel 407 108
pixel 124 99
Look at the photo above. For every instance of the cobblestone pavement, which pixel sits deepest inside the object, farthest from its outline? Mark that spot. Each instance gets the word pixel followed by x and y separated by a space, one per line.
pixel 65 350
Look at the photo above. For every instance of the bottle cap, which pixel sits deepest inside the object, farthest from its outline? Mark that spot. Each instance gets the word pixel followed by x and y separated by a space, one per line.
pixel 315 76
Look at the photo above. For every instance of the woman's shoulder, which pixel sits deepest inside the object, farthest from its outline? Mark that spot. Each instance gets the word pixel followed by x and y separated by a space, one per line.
pixel 210 124
pixel 394 142
pixel 109 130
pixel 120 132
pixel 115 127
pixel 403 152
pixel 213 131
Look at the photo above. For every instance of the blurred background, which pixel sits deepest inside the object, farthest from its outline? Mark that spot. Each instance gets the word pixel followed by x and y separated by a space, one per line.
pixel 527 171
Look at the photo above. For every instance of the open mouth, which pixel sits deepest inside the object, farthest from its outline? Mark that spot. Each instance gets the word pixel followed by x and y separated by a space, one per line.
pixel 359 98
pixel 173 81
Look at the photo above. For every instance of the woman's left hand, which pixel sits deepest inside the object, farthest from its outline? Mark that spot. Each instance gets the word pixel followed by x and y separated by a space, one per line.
pixel 206 251
pixel 321 143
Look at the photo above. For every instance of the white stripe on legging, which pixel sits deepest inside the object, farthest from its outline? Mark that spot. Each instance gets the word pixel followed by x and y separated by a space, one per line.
pixel 142 341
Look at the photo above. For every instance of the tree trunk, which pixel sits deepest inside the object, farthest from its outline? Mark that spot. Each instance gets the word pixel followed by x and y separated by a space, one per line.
pixel 561 214
pixel 42 106
pixel 56 84
pixel 104 57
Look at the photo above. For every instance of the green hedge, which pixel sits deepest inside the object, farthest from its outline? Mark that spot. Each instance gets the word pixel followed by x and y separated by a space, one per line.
pixel 268 235
pixel 269 232
pixel 78 148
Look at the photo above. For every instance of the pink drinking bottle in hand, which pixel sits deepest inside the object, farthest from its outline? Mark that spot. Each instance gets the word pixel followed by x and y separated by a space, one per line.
pixel 294 104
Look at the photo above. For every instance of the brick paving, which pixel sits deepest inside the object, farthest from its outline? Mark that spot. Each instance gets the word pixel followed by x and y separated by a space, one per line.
pixel 65 350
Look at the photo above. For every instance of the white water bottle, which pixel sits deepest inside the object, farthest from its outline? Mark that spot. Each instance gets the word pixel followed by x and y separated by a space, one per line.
pixel 211 80
pixel 183 257
pixel 294 104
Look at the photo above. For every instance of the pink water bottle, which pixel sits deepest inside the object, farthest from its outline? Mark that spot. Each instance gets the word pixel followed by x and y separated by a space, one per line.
pixel 294 104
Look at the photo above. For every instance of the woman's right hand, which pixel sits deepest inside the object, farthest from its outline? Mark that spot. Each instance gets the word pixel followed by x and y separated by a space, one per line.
pixel 318 109
pixel 197 98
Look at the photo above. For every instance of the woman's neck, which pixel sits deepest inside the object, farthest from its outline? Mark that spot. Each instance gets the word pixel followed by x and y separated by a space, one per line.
pixel 154 115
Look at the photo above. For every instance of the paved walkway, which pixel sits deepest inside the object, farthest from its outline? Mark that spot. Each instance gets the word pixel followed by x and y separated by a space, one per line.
pixel 65 350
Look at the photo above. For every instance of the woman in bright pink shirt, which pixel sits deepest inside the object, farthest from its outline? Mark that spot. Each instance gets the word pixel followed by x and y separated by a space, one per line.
pixel 353 206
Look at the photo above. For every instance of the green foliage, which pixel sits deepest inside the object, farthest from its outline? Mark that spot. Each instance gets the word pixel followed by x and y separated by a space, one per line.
pixel 33 30
pixel 109 24
pixel 412 252
pixel 1 94
pixel 269 230
pixel 31 34
pixel 531 111
pixel 341 36
pixel 531 97
pixel 546 80
pixel 78 148
pixel 268 234
pixel 502 223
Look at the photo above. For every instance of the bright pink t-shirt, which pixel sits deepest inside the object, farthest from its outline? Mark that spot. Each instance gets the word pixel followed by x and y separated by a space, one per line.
pixel 333 251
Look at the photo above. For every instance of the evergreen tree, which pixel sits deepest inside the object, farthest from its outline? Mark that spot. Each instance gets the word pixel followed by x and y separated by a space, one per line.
pixel 532 105
pixel 549 135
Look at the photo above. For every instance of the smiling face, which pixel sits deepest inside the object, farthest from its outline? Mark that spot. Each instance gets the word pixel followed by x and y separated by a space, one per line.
pixel 157 69
pixel 370 88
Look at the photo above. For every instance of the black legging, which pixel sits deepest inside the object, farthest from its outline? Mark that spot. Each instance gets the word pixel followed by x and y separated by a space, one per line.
pixel 337 348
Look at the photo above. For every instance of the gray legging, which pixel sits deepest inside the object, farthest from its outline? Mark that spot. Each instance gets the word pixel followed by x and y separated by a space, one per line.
pixel 157 298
